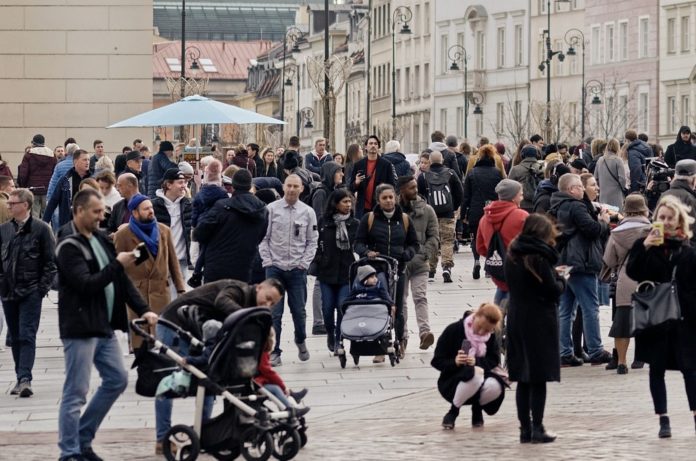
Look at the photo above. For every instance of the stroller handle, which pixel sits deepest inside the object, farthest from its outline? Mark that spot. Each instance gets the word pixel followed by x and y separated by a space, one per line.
pixel 137 324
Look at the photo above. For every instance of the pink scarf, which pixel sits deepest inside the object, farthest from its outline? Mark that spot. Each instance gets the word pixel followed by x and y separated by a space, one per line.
pixel 478 342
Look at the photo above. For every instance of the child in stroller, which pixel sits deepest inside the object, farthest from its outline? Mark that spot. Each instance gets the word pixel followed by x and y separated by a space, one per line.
pixel 369 286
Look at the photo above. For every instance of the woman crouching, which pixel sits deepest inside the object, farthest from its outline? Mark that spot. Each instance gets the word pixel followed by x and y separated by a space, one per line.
pixel 468 357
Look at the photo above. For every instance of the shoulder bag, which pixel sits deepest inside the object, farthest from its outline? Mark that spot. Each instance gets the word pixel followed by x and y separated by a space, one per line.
pixel 655 304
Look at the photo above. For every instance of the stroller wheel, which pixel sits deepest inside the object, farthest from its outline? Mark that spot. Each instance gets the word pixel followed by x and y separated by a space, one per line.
pixel 181 443
pixel 303 436
pixel 286 443
pixel 356 359
pixel 342 359
pixel 256 444
pixel 225 454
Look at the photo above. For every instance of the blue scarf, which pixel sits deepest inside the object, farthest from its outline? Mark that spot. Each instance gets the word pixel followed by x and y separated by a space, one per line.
pixel 148 233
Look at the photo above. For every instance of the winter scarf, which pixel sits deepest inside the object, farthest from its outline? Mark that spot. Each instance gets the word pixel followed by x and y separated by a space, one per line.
pixel 147 232
pixel 342 239
pixel 478 342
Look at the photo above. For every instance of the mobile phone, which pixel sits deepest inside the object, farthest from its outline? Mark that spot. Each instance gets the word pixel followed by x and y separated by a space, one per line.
pixel 466 346
pixel 141 254
pixel 658 231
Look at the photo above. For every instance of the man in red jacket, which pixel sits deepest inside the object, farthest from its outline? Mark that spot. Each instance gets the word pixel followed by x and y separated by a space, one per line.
pixel 506 217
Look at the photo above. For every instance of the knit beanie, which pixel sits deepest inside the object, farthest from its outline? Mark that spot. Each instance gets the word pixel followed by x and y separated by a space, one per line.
pixel 507 189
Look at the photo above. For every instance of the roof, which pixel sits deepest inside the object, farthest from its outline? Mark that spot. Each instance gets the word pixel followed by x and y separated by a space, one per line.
pixel 270 84
pixel 218 60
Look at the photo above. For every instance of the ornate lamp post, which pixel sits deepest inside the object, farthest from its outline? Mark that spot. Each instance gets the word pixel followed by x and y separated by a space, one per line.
pixel 293 35
pixel 457 53
pixel 307 115
pixel 402 15
pixel 575 38
pixel 595 88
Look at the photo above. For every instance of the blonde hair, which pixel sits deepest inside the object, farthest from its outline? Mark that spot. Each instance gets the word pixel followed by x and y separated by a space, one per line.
pixel 104 164
pixel 90 182
pixel 681 211
pixel 491 312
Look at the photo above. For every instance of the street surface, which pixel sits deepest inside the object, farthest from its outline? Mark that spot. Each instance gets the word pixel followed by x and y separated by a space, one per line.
pixel 376 412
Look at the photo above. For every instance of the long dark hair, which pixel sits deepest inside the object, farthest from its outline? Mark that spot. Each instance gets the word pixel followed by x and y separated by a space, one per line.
pixel 537 226
pixel 334 199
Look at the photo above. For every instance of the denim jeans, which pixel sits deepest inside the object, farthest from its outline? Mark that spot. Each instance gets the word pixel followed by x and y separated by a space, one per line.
pixel 295 283
pixel 183 266
pixel 332 296
pixel 22 323
pixel 581 287
pixel 163 407
pixel 499 296
pixel 75 432
pixel 317 309
pixel 278 393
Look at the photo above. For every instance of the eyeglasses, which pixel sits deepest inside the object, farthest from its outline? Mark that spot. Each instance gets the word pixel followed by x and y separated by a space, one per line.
pixel 577 185
pixel 13 203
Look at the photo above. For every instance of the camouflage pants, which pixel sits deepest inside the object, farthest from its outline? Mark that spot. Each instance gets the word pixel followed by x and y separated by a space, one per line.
pixel 446 226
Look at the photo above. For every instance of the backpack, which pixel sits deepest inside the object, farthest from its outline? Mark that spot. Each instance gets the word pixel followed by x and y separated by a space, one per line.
pixel 439 193
pixel 495 257
pixel 531 180
pixel 309 189
pixel 371 220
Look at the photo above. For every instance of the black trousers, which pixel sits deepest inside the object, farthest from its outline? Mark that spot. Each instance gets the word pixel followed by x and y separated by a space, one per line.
pixel 530 398
pixel 658 389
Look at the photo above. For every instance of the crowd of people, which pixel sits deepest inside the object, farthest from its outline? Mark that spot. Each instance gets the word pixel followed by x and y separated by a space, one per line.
pixel 559 231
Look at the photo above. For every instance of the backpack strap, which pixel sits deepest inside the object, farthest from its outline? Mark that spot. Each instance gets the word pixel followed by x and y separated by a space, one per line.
pixel 407 221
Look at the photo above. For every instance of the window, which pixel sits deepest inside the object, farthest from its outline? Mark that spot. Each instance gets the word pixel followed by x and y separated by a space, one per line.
pixel 644 29
pixel 408 89
pixel 460 120
pixel 460 39
pixel 558 45
pixel 174 64
pixel 685 110
pixel 623 111
pixel 542 6
pixel 573 110
pixel 610 42
pixel 444 59
pixel 542 54
pixel 480 50
pixel 672 114
pixel 519 45
pixel 426 79
pixel 416 82
pixel 479 126
pixel 643 111
pixel 443 120
pixel 623 41
pixel 685 33
pixel 399 94
pixel 518 115
pixel 426 18
pixel 501 47
pixel 671 35
pixel 499 118
pixel 594 52
pixel 416 20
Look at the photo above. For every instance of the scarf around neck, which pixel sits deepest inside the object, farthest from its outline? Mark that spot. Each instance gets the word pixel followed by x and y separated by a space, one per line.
pixel 147 232
pixel 342 239
pixel 478 342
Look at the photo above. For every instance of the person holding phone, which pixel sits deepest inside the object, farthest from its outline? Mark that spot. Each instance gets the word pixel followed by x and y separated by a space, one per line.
pixel 468 358
pixel 368 173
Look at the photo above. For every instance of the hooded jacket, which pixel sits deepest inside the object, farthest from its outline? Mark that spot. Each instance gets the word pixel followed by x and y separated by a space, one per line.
pixel 387 236
pixel 581 242
pixel 619 245
pixel 479 187
pixel 542 197
pixel 680 150
pixel 528 166
pixel 504 217
pixel 159 163
pixel 36 169
pixel 425 223
pixel 161 204
pixel 638 152
pixel 232 231
pixel 242 160
pixel 401 165
pixel 321 193
pixel 313 163
pixel 62 197
pixel 204 200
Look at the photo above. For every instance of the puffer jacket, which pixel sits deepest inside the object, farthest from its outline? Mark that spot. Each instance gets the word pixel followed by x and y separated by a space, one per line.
pixel 638 152
pixel 424 221
pixel 401 165
pixel 204 200
pixel 479 188
pixel 36 170
pixel 619 245
pixel 159 204
pixel 28 259
pixel 159 164
pixel 542 197
pixel 680 150
pixel 582 238
pixel 321 193
pixel 333 264
pixel 388 237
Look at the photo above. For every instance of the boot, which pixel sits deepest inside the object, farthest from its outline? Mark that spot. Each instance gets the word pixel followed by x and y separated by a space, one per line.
pixel 614 362
pixel 525 432
pixel 450 417
pixel 476 415
pixel 539 434
pixel 665 429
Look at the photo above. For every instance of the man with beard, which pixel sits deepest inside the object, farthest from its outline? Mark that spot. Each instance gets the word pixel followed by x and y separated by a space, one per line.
pixel 682 148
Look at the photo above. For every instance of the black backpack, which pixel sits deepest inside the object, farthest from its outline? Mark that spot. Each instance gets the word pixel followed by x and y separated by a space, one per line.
pixel 439 193
pixel 495 257
pixel 531 180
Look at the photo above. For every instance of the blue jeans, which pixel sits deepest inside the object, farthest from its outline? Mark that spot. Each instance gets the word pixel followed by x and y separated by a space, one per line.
pixel 603 293
pixel 163 407
pixel 278 393
pixel 499 296
pixel 332 296
pixel 295 283
pixel 22 324
pixel 75 432
pixel 582 288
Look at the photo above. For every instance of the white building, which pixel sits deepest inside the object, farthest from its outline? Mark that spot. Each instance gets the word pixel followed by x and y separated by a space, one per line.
pixel 491 40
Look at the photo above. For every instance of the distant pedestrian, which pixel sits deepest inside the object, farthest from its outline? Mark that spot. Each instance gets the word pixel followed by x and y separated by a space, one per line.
pixel 368 173
pixel 159 164
pixel 67 187
pixel 35 173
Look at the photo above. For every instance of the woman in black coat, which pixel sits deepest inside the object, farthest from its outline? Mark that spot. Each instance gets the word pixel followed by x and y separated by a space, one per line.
pixel 468 370
pixel 479 189
pixel 533 355
pixel 337 230
pixel 670 346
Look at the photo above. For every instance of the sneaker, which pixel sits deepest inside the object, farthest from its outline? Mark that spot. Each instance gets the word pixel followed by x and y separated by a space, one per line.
pixel 301 411
pixel 447 276
pixel 637 365
pixel 476 272
pixel 15 389
pixel 571 361
pixel 275 359
pixel 622 370
pixel 319 329
pixel 299 395
pixel 378 359
pixel 25 389
pixel 331 343
pixel 302 352
pixel 89 455
pixel 602 357
pixel 426 340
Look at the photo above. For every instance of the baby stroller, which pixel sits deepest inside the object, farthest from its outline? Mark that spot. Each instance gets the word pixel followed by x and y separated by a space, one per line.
pixel 368 323
pixel 247 426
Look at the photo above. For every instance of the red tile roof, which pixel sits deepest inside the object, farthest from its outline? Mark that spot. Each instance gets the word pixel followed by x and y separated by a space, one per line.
pixel 231 59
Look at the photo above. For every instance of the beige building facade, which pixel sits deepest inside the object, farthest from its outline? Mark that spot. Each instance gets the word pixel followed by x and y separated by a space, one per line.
pixel 69 68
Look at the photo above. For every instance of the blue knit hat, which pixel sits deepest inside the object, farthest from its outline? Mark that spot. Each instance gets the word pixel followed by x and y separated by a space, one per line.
pixel 136 200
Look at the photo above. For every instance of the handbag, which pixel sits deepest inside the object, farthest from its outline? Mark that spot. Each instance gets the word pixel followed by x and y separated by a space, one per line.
pixel 655 304
pixel 624 191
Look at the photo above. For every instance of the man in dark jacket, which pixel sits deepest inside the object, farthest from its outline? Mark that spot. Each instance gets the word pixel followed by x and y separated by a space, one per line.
pixel 160 162
pixel 127 185
pixel 319 156
pixel 368 173
pixel 331 179
pixel 683 185
pixel 92 296
pixel 35 173
pixel 231 232
pixel 396 158
pixel 638 152
pixel 27 270
pixel 134 166
pixel 581 245
pixel 449 158
pixel 528 174
pixel 67 188
pixel 681 149
pixel 444 192
pixel 255 155
pixel 243 160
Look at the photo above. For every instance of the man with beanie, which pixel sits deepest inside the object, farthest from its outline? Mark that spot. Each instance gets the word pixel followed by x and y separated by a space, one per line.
pixel 160 162
pixel 529 173
pixel 287 250
pixel 683 185
pixel 67 188
pixel 505 217
pixel 425 223
pixel 231 231
pixel 134 166
pixel 368 173
pixel 151 277
pixel 34 173
pixel 681 149
pixel 444 192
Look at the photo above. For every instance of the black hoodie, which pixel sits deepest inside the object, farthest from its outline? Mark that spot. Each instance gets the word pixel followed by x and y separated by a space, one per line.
pixel 680 150
pixel 322 192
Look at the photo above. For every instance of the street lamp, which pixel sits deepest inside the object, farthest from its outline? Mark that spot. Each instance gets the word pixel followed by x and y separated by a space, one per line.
pixel 402 15
pixel 595 88
pixel 457 53
pixel 573 38
pixel 293 35
pixel 307 115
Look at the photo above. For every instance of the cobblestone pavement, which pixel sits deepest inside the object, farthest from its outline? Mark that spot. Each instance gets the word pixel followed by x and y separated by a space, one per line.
pixel 376 412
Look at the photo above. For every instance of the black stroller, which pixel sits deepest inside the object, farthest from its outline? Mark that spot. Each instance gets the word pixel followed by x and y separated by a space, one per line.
pixel 368 323
pixel 247 426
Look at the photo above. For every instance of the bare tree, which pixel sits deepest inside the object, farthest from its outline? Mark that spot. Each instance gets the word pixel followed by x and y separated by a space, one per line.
pixel 616 111
pixel 515 122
